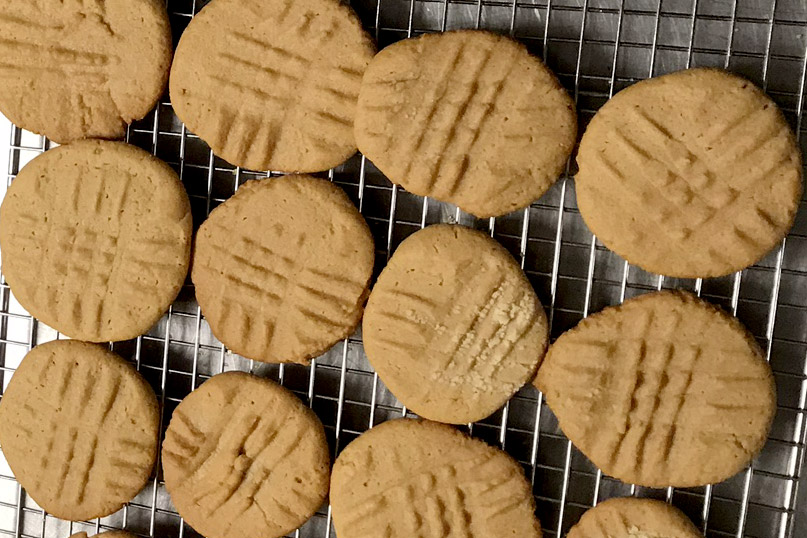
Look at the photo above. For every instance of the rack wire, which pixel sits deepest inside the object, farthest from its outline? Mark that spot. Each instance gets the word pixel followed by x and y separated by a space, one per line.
pixel 596 47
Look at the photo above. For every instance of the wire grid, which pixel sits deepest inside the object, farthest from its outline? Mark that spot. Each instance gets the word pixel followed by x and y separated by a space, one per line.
pixel 596 47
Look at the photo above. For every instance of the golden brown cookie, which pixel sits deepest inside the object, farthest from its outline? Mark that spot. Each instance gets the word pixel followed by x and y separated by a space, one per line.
pixel 243 457
pixel 96 239
pixel 281 269
pixel 453 326
pixel 634 518
pixel 272 84
pixel 76 69
pixel 692 174
pixel 79 427
pixel 107 534
pixel 418 478
pixel 466 117
pixel 664 390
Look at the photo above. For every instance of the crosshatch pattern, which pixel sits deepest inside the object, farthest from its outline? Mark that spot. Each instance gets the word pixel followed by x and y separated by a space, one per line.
pixel 597 47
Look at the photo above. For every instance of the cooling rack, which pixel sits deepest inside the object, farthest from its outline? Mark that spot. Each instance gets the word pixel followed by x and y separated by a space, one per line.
pixel 596 47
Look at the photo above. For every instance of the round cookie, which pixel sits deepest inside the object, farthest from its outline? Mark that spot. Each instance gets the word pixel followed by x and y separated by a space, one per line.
pixel 79 427
pixel 243 457
pixel 272 84
pixel 633 518
pixel 664 390
pixel 420 478
pixel 96 239
pixel 281 269
pixel 82 68
pixel 107 534
pixel 453 326
pixel 692 174
pixel 467 117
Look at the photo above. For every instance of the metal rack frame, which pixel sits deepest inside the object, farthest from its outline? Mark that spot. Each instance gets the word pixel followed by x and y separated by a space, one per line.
pixel 596 47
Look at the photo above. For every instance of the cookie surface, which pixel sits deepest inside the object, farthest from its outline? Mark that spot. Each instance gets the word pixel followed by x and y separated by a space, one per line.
pixel 417 478
pixel 692 174
pixel 281 269
pixel 634 518
pixel 79 427
pixel 107 534
pixel 272 84
pixel 82 68
pixel 453 326
pixel 466 117
pixel 664 390
pixel 243 457
pixel 96 239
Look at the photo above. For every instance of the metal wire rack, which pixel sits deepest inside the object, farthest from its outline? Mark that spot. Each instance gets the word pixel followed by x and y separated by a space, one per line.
pixel 596 47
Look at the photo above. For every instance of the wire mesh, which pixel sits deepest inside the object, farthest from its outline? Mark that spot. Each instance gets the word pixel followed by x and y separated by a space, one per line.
pixel 596 47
